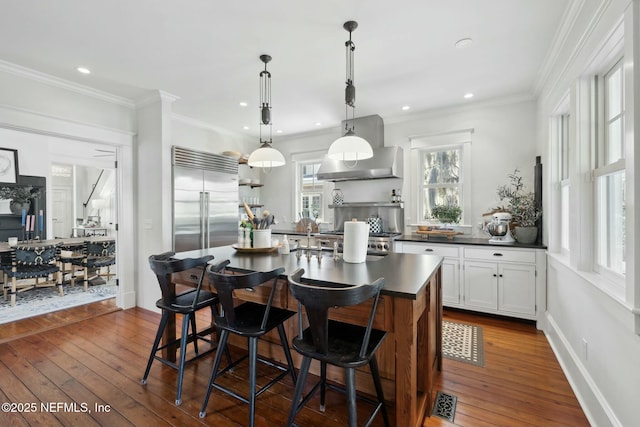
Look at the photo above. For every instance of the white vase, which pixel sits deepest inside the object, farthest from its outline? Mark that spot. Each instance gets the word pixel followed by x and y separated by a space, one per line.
pixel 5 206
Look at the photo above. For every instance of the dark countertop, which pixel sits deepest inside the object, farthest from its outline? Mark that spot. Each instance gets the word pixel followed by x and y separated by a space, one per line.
pixel 461 240
pixel 405 274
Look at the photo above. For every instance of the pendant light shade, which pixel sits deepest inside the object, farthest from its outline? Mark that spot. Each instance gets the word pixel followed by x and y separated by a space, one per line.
pixel 266 156
pixel 350 147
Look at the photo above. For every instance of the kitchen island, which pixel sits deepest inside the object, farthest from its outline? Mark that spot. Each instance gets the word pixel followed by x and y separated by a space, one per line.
pixel 410 309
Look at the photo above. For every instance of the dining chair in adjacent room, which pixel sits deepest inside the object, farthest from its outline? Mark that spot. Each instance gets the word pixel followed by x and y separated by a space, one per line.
pixel 97 254
pixel 336 343
pixel 31 262
pixel 251 320
pixel 186 304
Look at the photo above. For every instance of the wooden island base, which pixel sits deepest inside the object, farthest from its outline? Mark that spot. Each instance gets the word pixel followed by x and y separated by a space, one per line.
pixel 409 358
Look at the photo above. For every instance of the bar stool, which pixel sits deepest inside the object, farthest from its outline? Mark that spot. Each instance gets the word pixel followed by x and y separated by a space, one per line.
pixel 186 304
pixel 251 320
pixel 340 344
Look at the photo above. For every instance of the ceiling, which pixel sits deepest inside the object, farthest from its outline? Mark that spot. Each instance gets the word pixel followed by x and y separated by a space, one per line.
pixel 207 53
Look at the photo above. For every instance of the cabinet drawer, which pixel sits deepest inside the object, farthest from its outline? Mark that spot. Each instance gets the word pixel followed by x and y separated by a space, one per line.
pixel 260 294
pixel 430 249
pixel 500 254
pixel 357 314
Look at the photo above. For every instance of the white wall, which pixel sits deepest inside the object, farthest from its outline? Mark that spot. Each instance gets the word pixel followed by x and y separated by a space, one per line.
pixel 606 374
pixel 49 120
pixel 503 139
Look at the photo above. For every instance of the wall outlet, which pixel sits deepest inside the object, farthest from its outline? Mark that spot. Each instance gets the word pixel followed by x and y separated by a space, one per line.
pixel 584 348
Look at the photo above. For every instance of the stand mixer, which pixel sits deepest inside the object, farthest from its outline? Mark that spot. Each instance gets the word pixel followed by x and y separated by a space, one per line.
pixel 498 228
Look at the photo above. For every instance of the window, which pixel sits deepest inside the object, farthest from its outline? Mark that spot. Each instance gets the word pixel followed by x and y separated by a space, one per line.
pixel 441 180
pixel 609 173
pixel 563 176
pixel 311 201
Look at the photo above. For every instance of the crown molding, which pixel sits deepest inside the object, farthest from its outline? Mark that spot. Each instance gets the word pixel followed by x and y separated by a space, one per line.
pixel 459 108
pixel 24 120
pixel 50 80
pixel 567 23
pixel 156 96
pixel 207 126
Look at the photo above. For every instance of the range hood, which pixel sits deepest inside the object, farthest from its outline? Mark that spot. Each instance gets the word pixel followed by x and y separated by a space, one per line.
pixel 386 161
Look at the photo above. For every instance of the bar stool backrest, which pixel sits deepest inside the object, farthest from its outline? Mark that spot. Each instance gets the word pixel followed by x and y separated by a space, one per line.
pixel 225 284
pixel 317 301
pixel 164 265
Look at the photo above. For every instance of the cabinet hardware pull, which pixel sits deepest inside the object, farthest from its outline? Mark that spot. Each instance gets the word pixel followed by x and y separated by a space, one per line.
pixel 495 275
pixel 497 254
pixel 501 275
pixel 428 250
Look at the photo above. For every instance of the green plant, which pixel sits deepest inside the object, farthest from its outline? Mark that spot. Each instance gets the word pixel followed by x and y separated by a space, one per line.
pixel 19 194
pixel 447 213
pixel 520 203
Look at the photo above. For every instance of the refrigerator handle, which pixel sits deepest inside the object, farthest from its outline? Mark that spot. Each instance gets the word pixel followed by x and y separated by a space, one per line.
pixel 202 218
pixel 206 219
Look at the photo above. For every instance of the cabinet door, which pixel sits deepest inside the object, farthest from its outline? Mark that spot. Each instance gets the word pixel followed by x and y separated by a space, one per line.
pixel 450 282
pixel 517 288
pixel 481 284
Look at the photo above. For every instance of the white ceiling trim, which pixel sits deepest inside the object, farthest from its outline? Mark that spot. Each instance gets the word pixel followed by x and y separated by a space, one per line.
pixel 559 40
pixel 50 80
pixel 16 118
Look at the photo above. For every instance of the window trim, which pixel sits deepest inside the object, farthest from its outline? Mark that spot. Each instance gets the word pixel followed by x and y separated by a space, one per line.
pixel 442 141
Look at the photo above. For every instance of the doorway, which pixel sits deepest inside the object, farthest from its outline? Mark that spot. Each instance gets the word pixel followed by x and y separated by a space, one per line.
pixel 83 200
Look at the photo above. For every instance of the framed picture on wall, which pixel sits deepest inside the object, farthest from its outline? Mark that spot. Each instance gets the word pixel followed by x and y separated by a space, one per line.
pixel 8 165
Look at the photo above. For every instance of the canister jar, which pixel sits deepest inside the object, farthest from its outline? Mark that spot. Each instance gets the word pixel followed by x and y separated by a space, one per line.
pixel 338 197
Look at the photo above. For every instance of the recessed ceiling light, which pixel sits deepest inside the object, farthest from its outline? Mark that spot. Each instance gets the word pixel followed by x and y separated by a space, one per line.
pixel 468 95
pixel 245 127
pixel 243 104
pixel 83 70
pixel 463 43
pixel 406 107
pixel 318 124
pixel 278 130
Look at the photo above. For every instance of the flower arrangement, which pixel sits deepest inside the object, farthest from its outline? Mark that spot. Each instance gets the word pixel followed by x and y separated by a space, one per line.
pixel 19 194
pixel 520 203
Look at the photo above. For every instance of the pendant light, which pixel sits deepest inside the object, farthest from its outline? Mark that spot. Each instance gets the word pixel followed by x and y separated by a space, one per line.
pixel 265 156
pixel 350 147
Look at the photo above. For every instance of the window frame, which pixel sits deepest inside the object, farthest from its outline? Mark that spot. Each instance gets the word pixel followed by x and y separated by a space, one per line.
pixel 441 142
pixel 323 192
pixel 601 167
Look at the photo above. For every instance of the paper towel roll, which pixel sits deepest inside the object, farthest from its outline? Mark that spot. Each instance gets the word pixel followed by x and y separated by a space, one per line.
pixel 356 239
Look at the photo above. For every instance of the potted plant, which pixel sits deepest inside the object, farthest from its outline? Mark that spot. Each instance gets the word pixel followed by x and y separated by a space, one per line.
pixel 447 214
pixel 522 206
pixel 20 197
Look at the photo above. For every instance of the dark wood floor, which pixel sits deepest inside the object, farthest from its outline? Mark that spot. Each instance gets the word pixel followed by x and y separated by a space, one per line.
pixel 98 362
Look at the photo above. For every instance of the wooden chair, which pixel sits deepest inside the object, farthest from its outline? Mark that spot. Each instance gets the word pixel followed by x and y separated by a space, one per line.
pixel 31 262
pixel 186 304
pixel 340 344
pixel 96 255
pixel 68 253
pixel 251 320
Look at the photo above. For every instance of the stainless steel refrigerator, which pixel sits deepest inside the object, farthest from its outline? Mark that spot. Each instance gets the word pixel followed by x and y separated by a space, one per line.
pixel 205 200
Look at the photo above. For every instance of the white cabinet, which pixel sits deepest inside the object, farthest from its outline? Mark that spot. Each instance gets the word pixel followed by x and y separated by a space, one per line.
pixel 450 267
pixel 501 281
pixel 494 279
pixel 480 285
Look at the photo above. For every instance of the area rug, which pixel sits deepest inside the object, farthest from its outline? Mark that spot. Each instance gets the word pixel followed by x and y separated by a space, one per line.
pixel 462 342
pixel 46 300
